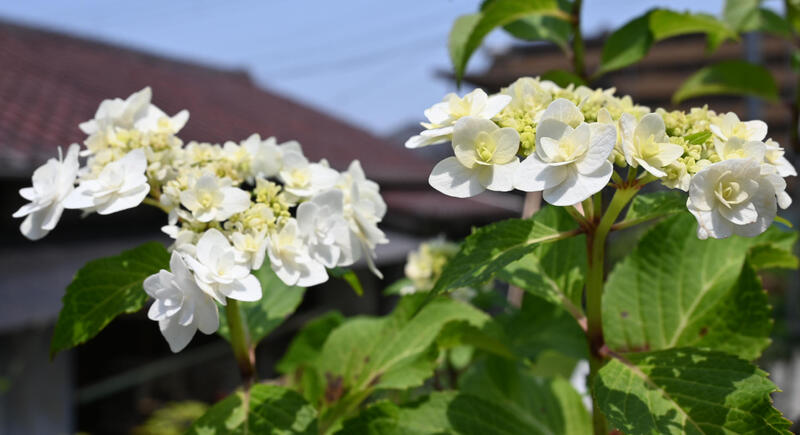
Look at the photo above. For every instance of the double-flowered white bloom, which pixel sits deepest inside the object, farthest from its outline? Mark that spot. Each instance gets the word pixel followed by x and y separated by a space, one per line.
pixel 211 198
pixel 180 306
pixel 570 163
pixel 219 272
pixel 485 158
pixel 52 183
pixel 267 155
pixel 645 143
pixel 290 258
pixel 302 179
pixel 321 222
pixel 728 126
pixel 774 155
pixel 443 116
pixel 737 196
pixel 121 185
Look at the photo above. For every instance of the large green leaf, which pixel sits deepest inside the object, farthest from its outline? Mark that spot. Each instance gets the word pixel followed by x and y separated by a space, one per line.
pixel 742 15
pixel 627 45
pixel 547 405
pixel 277 303
pixel 676 290
pixel 730 77
pixel 542 28
pixel 645 207
pixel 667 24
pixel 469 30
pixel 441 413
pixel 687 391
pixel 492 247
pixel 104 289
pixel 269 409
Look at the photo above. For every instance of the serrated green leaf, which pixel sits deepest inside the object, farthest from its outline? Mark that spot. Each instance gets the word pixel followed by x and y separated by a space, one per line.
pixel 469 30
pixel 278 302
pixel 104 289
pixel 687 391
pixel 731 77
pixel 627 45
pixel 645 207
pixel 349 276
pixel 492 247
pixel 698 138
pixel 676 290
pixel 308 342
pixel 269 409
pixel 547 405
pixel 563 78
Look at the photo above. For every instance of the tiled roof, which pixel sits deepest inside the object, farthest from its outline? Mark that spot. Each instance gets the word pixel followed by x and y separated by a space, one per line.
pixel 51 82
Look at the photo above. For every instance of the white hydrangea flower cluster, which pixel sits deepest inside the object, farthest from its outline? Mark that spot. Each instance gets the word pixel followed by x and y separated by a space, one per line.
pixel 570 140
pixel 229 207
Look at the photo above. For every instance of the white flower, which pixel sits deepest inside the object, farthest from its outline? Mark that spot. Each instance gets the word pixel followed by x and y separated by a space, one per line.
pixel 267 156
pixel 52 183
pixel 728 125
pixel 677 176
pixel 290 260
pixel 738 148
pixel 119 113
pixel 486 158
pixel 646 143
pixel 218 272
pixel 444 115
pixel 327 234
pixel 180 306
pixel 302 179
pixel 604 117
pixel 154 119
pixel 121 185
pixel 775 156
pixel 569 164
pixel 736 196
pixel 251 247
pixel 211 198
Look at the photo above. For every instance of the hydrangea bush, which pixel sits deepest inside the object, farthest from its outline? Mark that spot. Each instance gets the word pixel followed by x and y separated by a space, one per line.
pixel 669 332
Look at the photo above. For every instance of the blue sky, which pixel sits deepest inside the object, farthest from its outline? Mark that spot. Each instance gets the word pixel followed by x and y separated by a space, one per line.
pixel 370 62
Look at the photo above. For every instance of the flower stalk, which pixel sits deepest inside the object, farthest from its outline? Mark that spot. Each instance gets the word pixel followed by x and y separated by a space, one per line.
pixel 240 342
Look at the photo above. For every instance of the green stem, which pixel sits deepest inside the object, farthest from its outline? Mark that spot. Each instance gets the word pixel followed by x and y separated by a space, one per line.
pixel 240 341
pixel 596 247
pixel 155 203
pixel 578 48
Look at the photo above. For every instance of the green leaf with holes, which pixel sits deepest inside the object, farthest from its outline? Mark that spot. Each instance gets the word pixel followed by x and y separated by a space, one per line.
pixel 687 391
pixel 675 290
pixel 104 289
pixel 278 302
pixel 266 409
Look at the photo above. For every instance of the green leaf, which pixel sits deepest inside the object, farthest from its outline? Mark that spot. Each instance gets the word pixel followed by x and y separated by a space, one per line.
pixel 731 77
pixel 308 342
pixel 396 287
pixel 350 277
pixel 469 30
pixel 104 289
pixel 563 78
pixel 645 207
pixel 272 410
pixel 665 24
pixel 675 290
pixel 278 302
pixel 742 15
pixel 698 138
pixel 627 45
pixel 770 22
pixel 687 391
pixel 793 14
pixel 442 413
pixel 492 247
pixel 548 406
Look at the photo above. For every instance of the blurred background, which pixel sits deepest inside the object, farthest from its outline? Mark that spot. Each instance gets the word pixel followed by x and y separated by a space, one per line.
pixel 349 80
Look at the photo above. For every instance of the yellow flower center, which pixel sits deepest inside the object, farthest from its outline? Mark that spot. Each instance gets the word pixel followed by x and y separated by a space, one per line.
pixel 485 148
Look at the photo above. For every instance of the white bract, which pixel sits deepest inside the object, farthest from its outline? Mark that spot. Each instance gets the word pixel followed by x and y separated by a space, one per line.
pixel 251 247
pixel 321 223
pixel 290 259
pixel 180 306
pixel 738 148
pixel 443 116
pixel 736 196
pixel 485 158
pixel 569 164
pixel 302 179
pixel 52 183
pixel 218 271
pixel 775 156
pixel 121 185
pixel 211 198
pixel 728 125
pixel 645 143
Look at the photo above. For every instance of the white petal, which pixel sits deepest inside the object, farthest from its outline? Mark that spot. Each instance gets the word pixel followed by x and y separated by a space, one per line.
pixel 507 141
pixel 177 335
pixel 315 274
pixel 533 175
pixel 206 314
pixel 742 215
pixel 757 128
pixel 494 105
pixel 601 144
pixel 79 198
pixel 499 178
pixel 565 111
pixel 247 289
pixel 451 178
pixel 31 227
pixel 576 187
pixel 124 202
pixel 651 125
